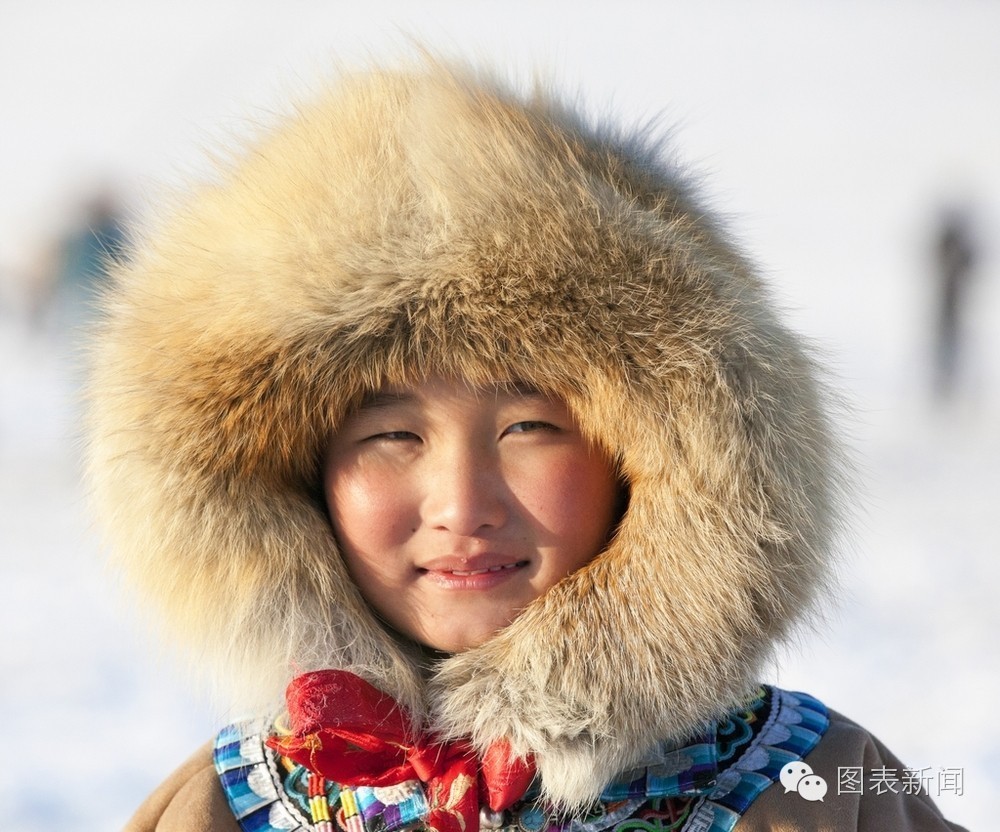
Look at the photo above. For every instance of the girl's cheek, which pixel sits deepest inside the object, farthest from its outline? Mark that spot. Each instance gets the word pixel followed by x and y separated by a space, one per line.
pixel 372 508
pixel 552 484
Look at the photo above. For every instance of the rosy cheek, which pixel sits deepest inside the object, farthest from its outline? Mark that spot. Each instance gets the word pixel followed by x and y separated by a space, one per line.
pixel 361 500
pixel 368 512
pixel 549 491
pixel 583 493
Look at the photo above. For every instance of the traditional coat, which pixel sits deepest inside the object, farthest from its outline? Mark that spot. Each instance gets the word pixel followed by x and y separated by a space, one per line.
pixel 429 222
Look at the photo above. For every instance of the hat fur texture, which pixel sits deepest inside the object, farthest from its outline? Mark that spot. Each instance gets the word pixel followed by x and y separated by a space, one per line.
pixel 427 221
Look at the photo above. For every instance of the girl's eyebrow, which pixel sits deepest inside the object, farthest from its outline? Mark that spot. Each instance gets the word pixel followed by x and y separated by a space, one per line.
pixel 377 399
pixel 520 388
pixel 381 398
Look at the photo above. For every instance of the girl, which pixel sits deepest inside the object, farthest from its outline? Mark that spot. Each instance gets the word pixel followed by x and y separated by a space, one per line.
pixel 461 419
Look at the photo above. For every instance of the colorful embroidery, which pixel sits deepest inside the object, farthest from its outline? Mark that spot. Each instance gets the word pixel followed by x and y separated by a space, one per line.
pixel 735 732
pixel 392 808
pixel 349 818
pixel 252 782
pixel 658 815
pixel 794 726
pixel 706 786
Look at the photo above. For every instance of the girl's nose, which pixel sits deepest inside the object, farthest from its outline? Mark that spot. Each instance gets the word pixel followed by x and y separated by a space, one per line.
pixel 464 493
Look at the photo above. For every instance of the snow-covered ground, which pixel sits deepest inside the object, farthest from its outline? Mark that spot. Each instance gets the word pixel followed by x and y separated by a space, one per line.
pixel 830 134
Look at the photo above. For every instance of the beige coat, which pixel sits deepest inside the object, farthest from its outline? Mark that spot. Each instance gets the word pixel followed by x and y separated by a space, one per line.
pixel 428 221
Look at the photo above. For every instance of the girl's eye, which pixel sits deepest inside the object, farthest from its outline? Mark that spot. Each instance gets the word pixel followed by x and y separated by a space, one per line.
pixel 393 436
pixel 528 426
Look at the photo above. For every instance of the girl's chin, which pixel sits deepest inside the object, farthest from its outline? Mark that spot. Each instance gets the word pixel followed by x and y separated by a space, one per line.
pixel 458 640
pixel 465 627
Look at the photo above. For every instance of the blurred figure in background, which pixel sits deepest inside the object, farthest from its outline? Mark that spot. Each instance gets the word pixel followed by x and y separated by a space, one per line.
pixel 956 256
pixel 78 263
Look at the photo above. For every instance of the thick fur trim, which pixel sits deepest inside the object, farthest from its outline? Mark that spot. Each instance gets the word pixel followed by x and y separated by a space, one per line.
pixel 428 221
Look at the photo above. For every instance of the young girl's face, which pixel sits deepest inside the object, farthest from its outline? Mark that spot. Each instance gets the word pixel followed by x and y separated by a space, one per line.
pixel 455 508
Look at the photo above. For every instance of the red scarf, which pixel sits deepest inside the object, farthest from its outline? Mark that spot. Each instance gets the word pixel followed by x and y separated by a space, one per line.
pixel 355 735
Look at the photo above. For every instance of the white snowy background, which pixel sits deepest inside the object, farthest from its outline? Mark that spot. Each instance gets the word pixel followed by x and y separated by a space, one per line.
pixel 829 133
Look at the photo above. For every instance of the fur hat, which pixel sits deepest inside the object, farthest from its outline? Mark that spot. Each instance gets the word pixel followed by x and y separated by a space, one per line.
pixel 429 221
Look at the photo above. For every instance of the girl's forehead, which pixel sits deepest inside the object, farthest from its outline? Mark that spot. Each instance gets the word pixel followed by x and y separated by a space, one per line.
pixel 439 389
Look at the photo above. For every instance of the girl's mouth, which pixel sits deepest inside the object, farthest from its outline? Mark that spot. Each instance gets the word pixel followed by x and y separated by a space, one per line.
pixel 505 566
pixel 483 578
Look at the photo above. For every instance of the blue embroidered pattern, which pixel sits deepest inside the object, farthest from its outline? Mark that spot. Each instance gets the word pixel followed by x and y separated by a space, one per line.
pixel 706 786
pixel 794 727
pixel 252 782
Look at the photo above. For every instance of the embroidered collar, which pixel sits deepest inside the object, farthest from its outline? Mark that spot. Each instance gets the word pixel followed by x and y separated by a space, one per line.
pixel 708 783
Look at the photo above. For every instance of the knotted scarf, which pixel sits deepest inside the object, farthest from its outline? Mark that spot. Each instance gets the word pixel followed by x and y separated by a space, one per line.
pixel 350 732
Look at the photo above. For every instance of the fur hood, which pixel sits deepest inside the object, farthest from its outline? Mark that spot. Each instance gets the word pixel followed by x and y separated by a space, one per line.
pixel 423 222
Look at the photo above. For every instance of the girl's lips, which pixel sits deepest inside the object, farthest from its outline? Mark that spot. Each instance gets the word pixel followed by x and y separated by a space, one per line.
pixel 475 579
pixel 484 571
